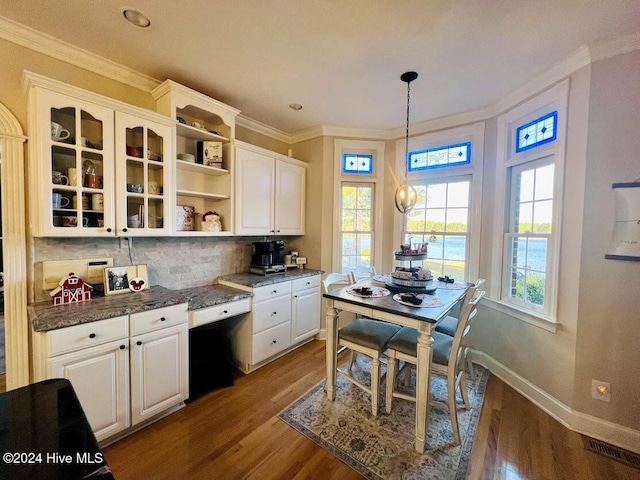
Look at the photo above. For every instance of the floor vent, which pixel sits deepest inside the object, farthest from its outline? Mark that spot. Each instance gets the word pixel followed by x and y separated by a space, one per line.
pixel 611 451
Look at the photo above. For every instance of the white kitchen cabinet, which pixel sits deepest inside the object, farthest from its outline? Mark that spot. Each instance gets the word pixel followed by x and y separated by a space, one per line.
pixel 159 372
pixel 85 149
pixel 208 188
pixel 282 316
pixel 305 308
pixel 125 370
pixel 100 378
pixel 144 203
pixel 270 192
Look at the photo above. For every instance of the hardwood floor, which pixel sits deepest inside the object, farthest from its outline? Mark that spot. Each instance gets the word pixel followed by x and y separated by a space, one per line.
pixel 233 433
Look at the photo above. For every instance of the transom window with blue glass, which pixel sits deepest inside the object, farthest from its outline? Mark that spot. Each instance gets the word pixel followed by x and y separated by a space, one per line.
pixel 352 163
pixel 538 132
pixel 449 155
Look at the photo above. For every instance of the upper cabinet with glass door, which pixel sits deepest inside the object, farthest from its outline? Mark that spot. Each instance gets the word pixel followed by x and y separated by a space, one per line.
pixel 142 177
pixel 72 167
pixel 97 167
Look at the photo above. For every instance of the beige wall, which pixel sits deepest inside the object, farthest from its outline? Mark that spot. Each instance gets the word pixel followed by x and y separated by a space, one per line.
pixel 599 299
pixel 254 138
pixel 608 341
pixel 543 358
pixel 16 59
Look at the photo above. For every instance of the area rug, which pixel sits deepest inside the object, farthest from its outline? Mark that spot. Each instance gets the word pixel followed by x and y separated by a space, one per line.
pixel 382 447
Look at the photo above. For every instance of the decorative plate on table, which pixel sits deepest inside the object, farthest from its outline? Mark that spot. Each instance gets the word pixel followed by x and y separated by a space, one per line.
pixel 375 292
pixel 427 301
pixel 382 278
pixel 451 286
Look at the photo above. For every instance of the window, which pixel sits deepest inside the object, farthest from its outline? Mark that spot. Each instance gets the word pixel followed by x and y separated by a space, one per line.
pixel 530 228
pixel 357 193
pixel 448 211
pixel 538 132
pixel 441 217
pixel 356 207
pixel 527 211
pixel 446 156
pixel 352 163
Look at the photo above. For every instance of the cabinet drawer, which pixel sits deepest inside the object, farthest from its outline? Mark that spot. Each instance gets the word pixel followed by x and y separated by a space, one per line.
pixel 305 283
pixel 218 312
pixel 270 342
pixel 271 313
pixel 159 318
pixel 271 291
pixel 87 335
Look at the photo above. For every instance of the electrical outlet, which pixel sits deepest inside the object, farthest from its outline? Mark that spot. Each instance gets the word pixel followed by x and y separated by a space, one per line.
pixel 600 390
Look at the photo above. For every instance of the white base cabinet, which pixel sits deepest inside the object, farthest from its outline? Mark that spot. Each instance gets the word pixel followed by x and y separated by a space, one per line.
pixel 305 308
pixel 282 316
pixel 100 378
pixel 121 380
pixel 158 365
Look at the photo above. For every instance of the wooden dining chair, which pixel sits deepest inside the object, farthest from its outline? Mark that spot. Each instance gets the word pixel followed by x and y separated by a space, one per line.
pixel 449 324
pixel 336 280
pixel 446 361
pixel 364 336
pixel 362 273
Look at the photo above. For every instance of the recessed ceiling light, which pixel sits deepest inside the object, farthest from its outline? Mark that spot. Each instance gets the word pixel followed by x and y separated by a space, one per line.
pixel 295 106
pixel 136 18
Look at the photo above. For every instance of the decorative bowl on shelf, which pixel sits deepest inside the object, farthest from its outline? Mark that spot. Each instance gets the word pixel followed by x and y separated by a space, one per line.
pixel 187 157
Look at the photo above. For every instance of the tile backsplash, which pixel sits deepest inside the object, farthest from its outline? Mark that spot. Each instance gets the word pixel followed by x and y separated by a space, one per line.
pixel 173 262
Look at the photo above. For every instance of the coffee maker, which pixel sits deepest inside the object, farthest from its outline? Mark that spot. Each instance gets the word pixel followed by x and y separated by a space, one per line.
pixel 267 257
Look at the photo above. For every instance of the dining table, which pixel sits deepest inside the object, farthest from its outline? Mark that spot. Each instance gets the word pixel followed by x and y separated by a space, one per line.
pixel 385 308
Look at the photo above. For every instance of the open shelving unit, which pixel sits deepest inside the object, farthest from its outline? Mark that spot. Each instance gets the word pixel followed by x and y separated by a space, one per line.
pixel 206 188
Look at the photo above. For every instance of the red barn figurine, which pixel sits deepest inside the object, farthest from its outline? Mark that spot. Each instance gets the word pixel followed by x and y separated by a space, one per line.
pixel 71 289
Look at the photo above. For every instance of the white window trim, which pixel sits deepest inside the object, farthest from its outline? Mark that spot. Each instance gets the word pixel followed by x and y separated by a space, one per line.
pixel 555 98
pixel 377 178
pixel 473 133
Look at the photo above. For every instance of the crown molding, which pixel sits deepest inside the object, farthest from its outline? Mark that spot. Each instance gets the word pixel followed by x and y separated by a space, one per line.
pixel 27 37
pixel 258 127
pixel 41 42
pixel 611 47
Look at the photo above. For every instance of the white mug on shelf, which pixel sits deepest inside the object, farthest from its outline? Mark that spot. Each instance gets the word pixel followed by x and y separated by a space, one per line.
pixel 58 133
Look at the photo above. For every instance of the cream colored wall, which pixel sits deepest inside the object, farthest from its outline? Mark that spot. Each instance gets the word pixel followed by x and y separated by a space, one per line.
pixel 311 246
pixel 608 342
pixel 543 358
pixel 263 141
pixel 15 59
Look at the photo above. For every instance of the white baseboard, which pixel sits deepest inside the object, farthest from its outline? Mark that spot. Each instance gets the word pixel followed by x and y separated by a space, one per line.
pixel 583 423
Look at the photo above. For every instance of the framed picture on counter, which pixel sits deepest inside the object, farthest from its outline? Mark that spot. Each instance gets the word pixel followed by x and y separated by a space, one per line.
pixel 133 278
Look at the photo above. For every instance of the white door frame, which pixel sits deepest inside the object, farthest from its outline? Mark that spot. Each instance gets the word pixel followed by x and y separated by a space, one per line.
pixel 14 244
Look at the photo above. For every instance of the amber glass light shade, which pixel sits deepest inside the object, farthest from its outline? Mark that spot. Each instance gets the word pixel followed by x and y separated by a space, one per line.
pixel 406 198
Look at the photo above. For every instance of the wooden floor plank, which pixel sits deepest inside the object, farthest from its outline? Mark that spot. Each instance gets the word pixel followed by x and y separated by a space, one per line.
pixel 234 433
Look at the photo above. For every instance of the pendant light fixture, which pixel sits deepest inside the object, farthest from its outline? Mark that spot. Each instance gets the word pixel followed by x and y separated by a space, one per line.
pixel 406 196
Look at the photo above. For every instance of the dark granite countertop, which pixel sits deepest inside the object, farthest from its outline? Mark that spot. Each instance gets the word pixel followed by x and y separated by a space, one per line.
pixel 45 316
pixel 253 280
pixel 45 423
pixel 209 295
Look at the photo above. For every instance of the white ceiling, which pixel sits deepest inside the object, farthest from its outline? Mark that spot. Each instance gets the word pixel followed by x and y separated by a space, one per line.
pixel 340 59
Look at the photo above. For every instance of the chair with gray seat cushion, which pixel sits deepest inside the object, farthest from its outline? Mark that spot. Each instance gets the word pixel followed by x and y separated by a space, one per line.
pixel 367 337
pixel 449 324
pixel 446 361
